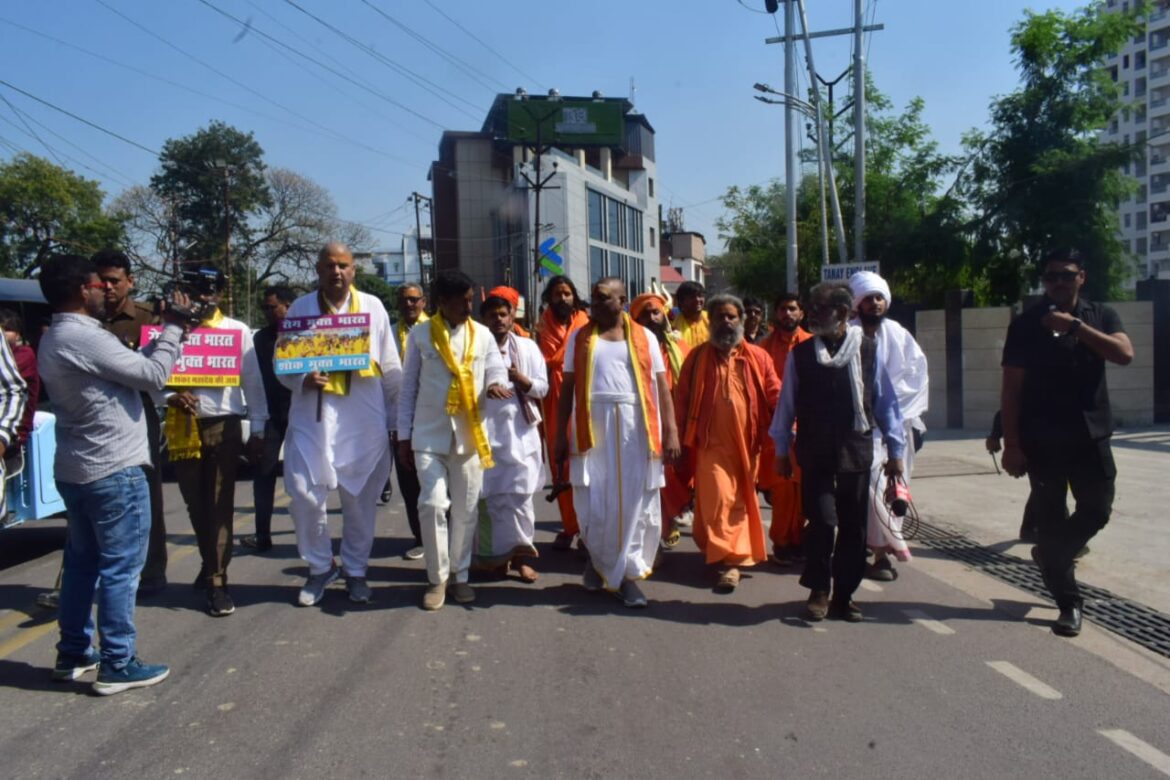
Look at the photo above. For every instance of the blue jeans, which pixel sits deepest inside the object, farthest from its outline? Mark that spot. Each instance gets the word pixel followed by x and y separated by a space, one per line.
pixel 109 526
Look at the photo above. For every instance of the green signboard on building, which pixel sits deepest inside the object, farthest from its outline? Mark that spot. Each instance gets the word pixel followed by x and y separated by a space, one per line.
pixel 566 122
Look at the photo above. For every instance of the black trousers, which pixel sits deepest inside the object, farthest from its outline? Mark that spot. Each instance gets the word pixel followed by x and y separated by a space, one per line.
pixel 410 489
pixel 1087 468
pixel 835 504
pixel 264 476
pixel 155 570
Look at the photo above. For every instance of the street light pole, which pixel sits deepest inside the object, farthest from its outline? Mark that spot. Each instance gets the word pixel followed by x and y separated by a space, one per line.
pixel 858 137
pixel 791 282
pixel 222 165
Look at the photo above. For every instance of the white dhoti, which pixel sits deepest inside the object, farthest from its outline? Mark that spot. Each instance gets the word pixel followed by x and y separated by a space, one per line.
pixel 615 491
pixel 883 529
pixel 358 510
pixel 507 525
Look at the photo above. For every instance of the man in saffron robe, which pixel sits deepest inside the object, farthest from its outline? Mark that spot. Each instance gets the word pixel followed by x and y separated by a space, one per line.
pixel 562 315
pixel 452 365
pixel 649 311
pixel 724 404
pixel 507 520
pixel 622 429
pixel 691 322
pixel 787 529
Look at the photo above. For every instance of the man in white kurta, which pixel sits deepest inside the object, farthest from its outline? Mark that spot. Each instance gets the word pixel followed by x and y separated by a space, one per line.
pixel 507 520
pixel 905 363
pixel 441 432
pixel 347 447
pixel 616 480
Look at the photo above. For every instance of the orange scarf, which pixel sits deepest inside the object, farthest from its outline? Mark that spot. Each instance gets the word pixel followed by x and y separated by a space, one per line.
pixel 639 347
pixel 553 337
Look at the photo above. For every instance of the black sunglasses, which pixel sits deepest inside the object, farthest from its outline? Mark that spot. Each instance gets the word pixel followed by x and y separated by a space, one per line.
pixel 1060 276
pixel 412 298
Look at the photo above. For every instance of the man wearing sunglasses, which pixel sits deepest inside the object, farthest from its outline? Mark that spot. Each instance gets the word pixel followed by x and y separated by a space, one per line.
pixel 1057 420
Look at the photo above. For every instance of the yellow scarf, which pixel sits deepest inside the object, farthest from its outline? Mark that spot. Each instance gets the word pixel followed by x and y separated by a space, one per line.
pixel 182 429
pixel 339 380
pixel 461 394
pixel 402 329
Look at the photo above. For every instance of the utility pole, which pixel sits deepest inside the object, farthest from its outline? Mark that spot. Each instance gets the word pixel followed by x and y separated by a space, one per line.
pixel 858 136
pixel 792 283
pixel 538 183
pixel 227 237
pixel 424 268
pixel 825 167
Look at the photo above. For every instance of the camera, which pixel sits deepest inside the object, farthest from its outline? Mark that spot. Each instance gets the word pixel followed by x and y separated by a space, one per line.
pixel 194 283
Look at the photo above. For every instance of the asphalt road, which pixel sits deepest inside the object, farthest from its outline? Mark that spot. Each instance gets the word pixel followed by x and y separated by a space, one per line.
pixel 950 674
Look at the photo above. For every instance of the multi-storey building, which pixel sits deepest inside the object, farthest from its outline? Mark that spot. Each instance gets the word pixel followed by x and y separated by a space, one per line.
pixel 1142 69
pixel 596 198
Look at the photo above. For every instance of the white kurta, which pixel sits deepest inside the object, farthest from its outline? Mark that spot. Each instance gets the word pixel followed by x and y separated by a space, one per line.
pixel 507 520
pixel 616 482
pixel 351 438
pixel 906 364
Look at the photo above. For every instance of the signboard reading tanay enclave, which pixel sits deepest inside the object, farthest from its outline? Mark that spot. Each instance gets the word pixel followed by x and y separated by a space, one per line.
pixel 330 342
pixel 210 357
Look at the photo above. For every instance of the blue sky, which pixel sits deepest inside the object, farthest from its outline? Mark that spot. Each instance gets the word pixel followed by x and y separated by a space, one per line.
pixel 369 135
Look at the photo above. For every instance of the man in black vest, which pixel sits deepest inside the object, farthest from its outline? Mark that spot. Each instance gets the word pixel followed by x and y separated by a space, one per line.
pixel 834 392
pixel 1057 420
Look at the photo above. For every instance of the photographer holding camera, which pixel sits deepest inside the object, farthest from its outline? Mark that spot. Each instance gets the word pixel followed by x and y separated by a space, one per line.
pixel 102 450
pixel 205 440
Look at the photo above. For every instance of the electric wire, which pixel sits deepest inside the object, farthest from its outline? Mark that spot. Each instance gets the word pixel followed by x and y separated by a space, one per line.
pixel 395 66
pixel 111 172
pixel 30 131
pixel 467 68
pixel 322 65
pixel 481 42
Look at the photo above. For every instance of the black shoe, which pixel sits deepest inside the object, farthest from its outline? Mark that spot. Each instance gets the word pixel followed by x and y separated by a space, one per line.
pixel 256 542
pixel 200 582
pixel 849 612
pixel 1029 534
pixel 1069 622
pixel 219 602
pixel 384 498
pixel 151 587
pixel 882 571
pixel 818 606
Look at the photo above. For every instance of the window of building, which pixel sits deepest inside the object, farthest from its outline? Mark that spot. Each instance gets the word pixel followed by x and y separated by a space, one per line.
pixel 1140 220
pixel 613 222
pixel 1125 61
pixel 1139 60
pixel 652 244
pixel 596 216
pixel 651 186
pixel 1127 220
pixel 596 263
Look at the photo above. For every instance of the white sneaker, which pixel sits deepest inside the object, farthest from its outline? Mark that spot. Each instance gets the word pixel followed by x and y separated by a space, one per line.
pixel 315 585
pixel 686 519
pixel 414 553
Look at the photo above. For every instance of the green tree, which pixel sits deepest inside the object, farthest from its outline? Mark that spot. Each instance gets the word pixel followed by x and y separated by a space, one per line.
pixel 1041 176
pixel 377 287
pixel 214 181
pixel 46 209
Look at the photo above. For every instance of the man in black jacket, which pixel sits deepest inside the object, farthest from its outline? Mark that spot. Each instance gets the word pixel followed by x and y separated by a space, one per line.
pixel 1057 420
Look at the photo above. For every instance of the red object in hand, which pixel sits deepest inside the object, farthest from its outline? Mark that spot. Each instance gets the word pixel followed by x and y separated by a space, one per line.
pixel 898 496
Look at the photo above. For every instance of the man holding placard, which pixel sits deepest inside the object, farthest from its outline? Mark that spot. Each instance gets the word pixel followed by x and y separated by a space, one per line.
pixel 216 381
pixel 336 354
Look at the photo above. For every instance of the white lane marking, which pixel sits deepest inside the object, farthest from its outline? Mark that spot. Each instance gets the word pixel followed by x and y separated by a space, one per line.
pixel 1025 680
pixel 927 622
pixel 1143 750
pixel 871 586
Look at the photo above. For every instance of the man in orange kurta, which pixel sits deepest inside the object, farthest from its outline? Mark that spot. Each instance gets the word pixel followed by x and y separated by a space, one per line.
pixel 787 531
pixel 725 399
pixel 562 316
pixel 649 311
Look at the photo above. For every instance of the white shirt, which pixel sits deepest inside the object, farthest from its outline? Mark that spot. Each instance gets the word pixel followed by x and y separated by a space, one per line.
pixel 245 399
pixel 906 364
pixel 516 441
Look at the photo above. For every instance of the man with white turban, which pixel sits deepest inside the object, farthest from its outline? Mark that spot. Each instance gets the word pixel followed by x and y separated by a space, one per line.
pixel 906 365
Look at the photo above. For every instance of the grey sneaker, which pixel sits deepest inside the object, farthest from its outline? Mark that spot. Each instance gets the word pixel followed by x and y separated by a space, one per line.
pixel 591 579
pixel 315 585
pixel 631 595
pixel 359 590
pixel 462 593
pixel 414 553
pixel 72 667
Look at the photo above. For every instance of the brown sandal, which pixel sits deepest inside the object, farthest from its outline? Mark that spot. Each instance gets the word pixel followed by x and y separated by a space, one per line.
pixel 728 579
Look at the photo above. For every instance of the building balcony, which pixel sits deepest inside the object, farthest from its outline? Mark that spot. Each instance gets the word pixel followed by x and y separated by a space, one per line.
pixel 1159 76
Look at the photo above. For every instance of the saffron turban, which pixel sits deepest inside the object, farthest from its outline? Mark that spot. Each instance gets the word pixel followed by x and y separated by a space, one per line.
pixel 646 299
pixel 867 283
pixel 507 293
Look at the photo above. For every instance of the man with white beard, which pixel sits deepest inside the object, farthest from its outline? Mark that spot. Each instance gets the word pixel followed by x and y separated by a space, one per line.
pixel 904 361
pixel 835 392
